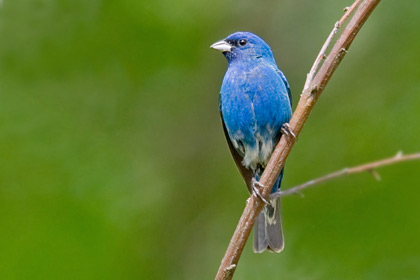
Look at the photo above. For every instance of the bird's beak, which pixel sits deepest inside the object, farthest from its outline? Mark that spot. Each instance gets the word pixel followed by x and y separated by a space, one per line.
pixel 222 46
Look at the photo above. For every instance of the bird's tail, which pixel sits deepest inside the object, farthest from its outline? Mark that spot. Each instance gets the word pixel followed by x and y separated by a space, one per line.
pixel 268 233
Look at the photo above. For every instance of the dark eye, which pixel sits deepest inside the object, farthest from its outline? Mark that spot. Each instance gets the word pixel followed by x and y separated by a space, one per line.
pixel 242 42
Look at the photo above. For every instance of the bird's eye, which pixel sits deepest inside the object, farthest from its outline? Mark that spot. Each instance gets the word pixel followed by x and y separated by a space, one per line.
pixel 242 42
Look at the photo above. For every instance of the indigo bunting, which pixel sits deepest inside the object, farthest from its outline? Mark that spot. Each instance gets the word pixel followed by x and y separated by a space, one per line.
pixel 255 107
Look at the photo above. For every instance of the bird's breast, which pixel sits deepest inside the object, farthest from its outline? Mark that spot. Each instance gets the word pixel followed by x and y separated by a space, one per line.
pixel 254 104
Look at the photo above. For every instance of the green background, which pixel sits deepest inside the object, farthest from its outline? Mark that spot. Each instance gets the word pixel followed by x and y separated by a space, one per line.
pixel 113 163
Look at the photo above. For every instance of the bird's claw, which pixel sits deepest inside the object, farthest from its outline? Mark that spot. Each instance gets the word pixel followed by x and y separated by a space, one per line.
pixel 256 192
pixel 286 130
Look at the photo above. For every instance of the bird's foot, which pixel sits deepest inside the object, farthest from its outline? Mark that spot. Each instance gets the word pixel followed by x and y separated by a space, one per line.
pixel 286 130
pixel 256 192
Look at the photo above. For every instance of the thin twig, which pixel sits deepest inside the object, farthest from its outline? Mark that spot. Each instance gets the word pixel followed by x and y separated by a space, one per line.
pixel 367 167
pixel 306 103
pixel 322 53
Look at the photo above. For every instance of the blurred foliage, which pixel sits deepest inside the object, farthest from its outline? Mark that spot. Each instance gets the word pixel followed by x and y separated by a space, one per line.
pixel 114 164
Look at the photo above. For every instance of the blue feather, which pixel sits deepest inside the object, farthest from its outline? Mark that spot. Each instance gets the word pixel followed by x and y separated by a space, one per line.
pixel 255 102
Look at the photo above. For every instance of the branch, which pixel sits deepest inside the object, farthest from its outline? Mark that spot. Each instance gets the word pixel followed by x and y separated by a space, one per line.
pixel 306 103
pixel 322 52
pixel 367 167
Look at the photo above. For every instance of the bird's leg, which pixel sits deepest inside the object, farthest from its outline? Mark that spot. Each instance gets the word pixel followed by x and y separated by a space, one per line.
pixel 256 192
pixel 285 129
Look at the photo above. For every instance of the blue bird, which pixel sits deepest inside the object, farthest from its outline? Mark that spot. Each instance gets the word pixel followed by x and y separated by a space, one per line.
pixel 255 106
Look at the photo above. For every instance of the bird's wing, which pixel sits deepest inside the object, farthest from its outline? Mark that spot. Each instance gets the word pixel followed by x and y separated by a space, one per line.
pixel 245 172
pixel 286 83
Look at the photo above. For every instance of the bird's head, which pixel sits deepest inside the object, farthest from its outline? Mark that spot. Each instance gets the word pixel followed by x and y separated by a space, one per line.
pixel 243 46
